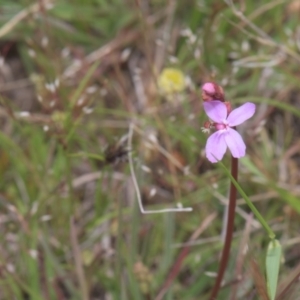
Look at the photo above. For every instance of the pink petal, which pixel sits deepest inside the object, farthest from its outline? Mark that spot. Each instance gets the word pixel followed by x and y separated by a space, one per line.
pixel 241 114
pixel 209 88
pixel 235 143
pixel 215 147
pixel 216 110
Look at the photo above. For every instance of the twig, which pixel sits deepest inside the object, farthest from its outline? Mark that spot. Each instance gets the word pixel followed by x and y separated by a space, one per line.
pixel 292 278
pixel 14 85
pixel 259 280
pixel 136 186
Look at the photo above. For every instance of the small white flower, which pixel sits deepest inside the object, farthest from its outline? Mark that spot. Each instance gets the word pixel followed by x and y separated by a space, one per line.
pixel 45 41
pixel 145 169
pixel 31 53
pixel 205 130
pixel 24 114
pixel 152 193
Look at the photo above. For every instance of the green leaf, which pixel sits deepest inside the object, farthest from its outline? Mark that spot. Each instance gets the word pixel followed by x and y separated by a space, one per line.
pixel 272 266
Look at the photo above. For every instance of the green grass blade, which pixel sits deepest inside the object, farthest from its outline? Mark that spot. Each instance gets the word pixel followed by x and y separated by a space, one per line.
pixel 272 266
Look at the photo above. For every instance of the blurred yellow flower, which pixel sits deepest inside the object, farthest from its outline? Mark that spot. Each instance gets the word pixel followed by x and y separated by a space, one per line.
pixel 171 81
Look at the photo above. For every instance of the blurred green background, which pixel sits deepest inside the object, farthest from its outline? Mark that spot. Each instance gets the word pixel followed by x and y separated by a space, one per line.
pixel 73 76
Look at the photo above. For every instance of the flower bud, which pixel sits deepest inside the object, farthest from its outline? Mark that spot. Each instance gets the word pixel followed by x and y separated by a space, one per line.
pixel 212 91
pixel 207 125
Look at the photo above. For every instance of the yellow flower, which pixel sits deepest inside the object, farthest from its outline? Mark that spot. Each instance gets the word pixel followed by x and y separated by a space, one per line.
pixel 171 81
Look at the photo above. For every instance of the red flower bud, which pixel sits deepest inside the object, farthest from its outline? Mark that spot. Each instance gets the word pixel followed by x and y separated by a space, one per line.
pixel 212 91
pixel 207 124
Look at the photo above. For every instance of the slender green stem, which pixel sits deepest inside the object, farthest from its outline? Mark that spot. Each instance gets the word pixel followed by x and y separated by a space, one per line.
pixel 229 230
pixel 250 204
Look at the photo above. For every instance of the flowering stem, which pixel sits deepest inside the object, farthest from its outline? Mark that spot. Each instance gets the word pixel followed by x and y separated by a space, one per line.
pixel 229 230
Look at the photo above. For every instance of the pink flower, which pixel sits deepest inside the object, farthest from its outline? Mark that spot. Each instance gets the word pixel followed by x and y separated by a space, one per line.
pixel 226 136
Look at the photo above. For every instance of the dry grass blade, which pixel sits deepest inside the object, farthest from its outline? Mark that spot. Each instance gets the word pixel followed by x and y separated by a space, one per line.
pixel 13 22
pixel 241 255
pixel 136 186
pixel 183 253
pixel 115 44
pixel 78 261
pixel 288 283
pixel 259 281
